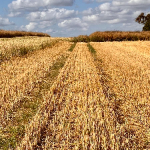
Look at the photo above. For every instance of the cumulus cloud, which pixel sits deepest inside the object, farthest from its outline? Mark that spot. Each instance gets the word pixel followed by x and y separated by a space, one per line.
pixel 51 14
pixel 36 25
pixel 14 14
pixel 4 22
pixel 132 4
pixel 74 23
pixel 44 24
pixel 35 5
pixel 116 11
pixel 105 7
pixel 30 27
pixel 47 18
pixel 89 11
pixel 45 15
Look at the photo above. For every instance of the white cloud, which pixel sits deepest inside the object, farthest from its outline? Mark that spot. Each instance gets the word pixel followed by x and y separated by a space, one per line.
pixel 4 22
pixel 89 11
pixel 105 6
pixel 132 4
pixel 31 26
pixel 114 21
pixel 116 11
pixel 49 30
pixel 45 15
pixel 14 14
pixel 51 14
pixel 92 18
pixel 73 24
pixel 35 5
pixel 44 24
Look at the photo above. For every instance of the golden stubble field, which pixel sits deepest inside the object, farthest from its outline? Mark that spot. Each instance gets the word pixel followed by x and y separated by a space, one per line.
pixel 85 100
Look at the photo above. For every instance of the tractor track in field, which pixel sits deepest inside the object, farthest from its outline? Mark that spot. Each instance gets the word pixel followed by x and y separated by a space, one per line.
pixel 77 114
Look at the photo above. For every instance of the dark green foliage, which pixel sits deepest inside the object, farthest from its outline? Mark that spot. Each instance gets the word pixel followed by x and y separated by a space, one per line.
pixel 23 51
pixel 147 26
pixel 142 19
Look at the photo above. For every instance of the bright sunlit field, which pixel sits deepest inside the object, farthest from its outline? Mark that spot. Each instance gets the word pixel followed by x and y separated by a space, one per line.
pixel 57 94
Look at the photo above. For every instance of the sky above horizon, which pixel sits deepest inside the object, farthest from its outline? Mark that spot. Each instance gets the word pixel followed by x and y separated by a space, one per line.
pixel 68 18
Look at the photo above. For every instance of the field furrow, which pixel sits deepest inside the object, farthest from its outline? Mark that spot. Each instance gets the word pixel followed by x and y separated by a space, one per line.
pixel 76 114
pixel 125 78
pixel 19 76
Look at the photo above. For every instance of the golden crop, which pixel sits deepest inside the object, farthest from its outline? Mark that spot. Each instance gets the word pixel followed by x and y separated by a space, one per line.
pixel 125 74
pixel 99 100
pixel 76 113
pixel 19 76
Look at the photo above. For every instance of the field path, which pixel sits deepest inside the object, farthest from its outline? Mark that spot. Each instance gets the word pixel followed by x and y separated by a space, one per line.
pixel 76 115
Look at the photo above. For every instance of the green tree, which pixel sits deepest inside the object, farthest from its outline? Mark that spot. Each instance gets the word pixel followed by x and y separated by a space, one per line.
pixel 142 19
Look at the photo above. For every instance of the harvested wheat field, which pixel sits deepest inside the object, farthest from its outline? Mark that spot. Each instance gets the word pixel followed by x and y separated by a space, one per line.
pixel 95 97
pixel 76 115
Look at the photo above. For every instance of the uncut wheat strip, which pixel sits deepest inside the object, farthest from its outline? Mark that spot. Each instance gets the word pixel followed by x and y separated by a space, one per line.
pixel 76 99
pixel 8 46
pixel 19 76
pixel 129 79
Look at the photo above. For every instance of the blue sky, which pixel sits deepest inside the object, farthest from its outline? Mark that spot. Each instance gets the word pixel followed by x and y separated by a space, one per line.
pixel 67 18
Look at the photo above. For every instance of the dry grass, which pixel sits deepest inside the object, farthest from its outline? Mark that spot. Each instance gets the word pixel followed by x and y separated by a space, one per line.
pixel 10 34
pixel 125 76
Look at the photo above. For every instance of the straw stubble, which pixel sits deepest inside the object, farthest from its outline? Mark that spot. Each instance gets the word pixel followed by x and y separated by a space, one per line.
pixel 19 76
pixel 76 115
